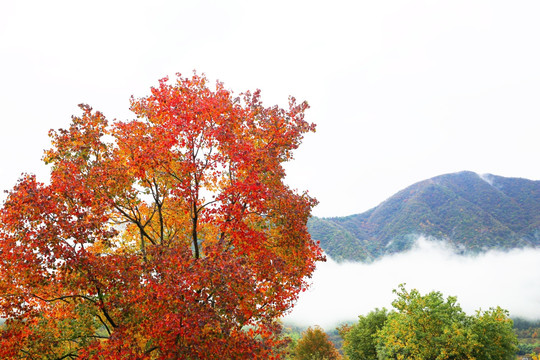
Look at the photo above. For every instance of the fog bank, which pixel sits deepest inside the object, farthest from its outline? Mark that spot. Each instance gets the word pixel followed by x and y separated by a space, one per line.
pixel 342 291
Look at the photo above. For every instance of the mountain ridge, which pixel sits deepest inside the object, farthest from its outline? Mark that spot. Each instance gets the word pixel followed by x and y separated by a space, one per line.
pixel 472 212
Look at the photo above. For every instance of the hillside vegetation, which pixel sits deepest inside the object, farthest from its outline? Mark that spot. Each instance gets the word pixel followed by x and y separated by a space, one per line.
pixel 473 213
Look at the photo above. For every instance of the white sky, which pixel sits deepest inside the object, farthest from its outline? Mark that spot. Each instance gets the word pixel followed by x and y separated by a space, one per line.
pixel 401 90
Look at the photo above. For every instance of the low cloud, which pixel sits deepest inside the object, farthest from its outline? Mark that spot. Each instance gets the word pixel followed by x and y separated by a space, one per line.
pixel 342 291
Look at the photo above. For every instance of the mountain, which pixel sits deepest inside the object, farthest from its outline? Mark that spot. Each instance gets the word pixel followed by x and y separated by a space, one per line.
pixel 472 212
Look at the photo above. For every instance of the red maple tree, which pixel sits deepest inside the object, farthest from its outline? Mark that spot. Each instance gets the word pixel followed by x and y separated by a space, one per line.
pixel 171 236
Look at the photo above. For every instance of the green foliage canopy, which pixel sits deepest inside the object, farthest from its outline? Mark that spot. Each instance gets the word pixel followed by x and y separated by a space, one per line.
pixel 430 327
pixel 424 327
pixel 359 340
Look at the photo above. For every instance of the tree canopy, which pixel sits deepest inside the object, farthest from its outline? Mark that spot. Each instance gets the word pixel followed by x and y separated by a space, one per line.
pixel 430 327
pixel 315 345
pixel 168 236
pixel 359 340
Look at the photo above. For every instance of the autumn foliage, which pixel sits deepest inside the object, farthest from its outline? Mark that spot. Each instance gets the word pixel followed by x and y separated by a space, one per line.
pixel 315 345
pixel 171 236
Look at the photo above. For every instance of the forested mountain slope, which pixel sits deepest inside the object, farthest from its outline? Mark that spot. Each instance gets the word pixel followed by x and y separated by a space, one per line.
pixel 473 213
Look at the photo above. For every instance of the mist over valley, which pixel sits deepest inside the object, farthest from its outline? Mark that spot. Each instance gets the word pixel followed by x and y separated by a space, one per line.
pixel 341 291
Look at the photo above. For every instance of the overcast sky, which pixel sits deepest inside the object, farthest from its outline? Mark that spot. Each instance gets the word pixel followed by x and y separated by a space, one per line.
pixel 400 90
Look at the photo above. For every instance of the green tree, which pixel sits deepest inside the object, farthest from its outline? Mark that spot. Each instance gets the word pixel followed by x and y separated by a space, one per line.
pixel 359 339
pixel 315 345
pixel 423 327
pixel 428 327
pixel 494 333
